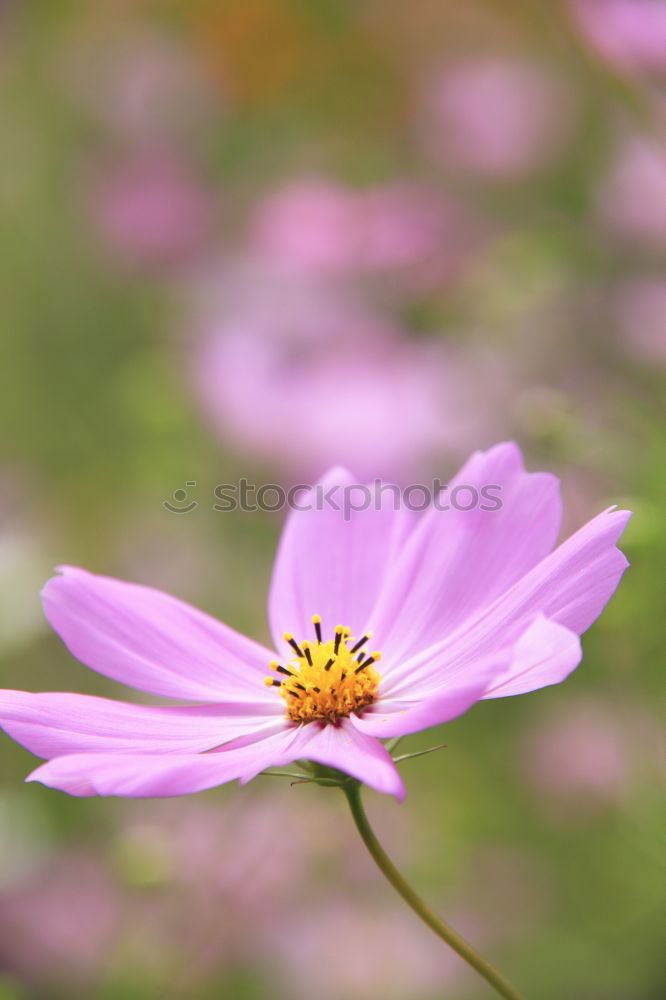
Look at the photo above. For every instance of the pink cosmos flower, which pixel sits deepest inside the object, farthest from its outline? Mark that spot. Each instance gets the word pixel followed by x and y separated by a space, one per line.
pixel 464 605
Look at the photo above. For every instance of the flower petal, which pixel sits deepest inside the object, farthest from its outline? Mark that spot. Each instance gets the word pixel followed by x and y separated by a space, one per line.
pixel 391 717
pixel 50 724
pixel 331 562
pixel 545 654
pixel 457 561
pixel 151 775
pixel 153 642
pixel 347 748
pixel 570 587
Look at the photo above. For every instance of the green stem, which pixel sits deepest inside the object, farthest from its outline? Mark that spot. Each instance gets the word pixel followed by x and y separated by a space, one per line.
pixel 446 933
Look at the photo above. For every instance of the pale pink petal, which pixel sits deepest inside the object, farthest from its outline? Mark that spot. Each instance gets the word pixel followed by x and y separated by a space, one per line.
pixel 153 642
pixel 546 653
pixel 457 561
pixel 50 724
pixel 332 565
pixel 149 775
pixel 571 587
pixel 157 775
pixel 346 748
pixel 425 708
pixel 433 690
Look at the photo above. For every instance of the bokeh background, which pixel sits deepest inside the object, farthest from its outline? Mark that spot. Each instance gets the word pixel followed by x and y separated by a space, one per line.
pixel 256 237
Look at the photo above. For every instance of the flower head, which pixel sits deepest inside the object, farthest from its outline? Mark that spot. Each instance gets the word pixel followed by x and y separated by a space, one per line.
pixel 327 681
pixel 464 605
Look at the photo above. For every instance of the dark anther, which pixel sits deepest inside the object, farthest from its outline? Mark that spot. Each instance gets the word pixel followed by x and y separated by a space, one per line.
pixel 364 638
pixel 296 648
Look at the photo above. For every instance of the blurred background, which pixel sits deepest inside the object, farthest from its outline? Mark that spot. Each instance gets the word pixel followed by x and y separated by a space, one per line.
pixel 256 237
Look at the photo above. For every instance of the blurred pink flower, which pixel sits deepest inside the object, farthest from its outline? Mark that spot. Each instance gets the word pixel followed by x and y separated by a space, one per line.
pixel 60 926
pixel 640 308
pixel 450 638
pixel 629 33
pixel 321 227
pixel 499 118
pixel 288 344
pixel 309 224
pixel 192 892
pixel 632 197
pixel 201 841
pixel 350 397
pixel 151 209
pixel 361 952
pixel 577 756
pixel 223 879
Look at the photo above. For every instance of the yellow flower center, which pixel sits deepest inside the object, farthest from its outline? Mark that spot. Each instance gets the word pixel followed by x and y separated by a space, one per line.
pixel 326 680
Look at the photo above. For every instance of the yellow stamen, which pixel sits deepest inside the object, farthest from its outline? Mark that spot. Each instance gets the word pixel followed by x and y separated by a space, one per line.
pixel 327 680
